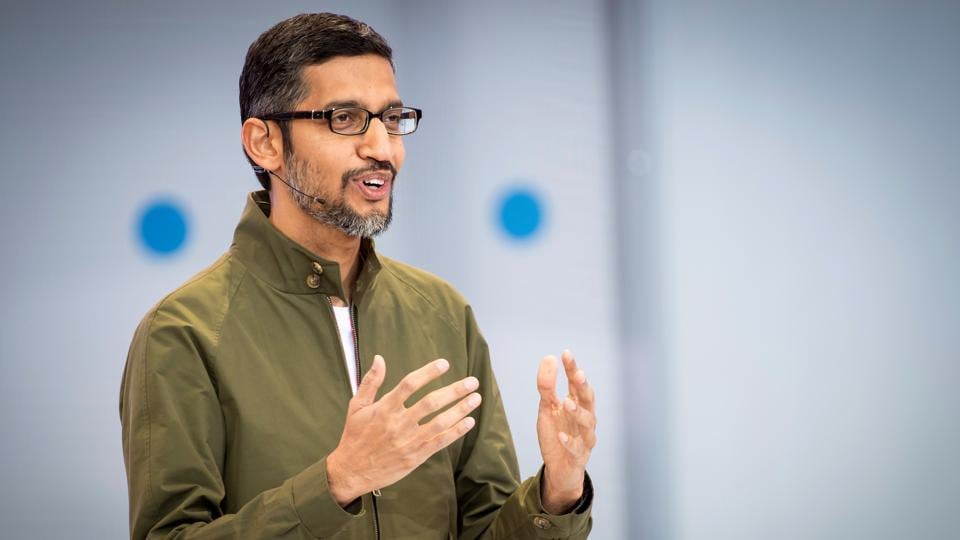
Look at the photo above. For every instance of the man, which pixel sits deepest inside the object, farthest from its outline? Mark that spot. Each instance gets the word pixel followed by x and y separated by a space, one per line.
pixel 304 386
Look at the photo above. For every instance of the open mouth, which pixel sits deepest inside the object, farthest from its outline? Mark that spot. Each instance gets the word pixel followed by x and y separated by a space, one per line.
pixel 374 187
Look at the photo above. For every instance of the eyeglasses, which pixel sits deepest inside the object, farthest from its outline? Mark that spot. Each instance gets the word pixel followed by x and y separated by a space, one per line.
pixel 356 120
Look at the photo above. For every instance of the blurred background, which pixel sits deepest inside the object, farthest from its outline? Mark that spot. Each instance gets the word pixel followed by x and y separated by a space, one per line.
pixel 741 216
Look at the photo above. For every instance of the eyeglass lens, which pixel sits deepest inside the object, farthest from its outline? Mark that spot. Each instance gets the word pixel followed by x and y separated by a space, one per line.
pixel 350 121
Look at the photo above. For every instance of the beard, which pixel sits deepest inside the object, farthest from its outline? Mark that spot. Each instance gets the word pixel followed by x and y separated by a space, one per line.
pixel 335 212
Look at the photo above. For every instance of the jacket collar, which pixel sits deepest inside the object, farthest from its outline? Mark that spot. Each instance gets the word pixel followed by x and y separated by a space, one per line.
pixel 286 265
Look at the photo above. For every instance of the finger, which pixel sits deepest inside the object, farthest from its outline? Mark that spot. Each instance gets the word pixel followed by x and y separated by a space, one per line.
pixel 577 380
pixel 547 379
pixel 584 392
pixel 417 379
pixel 589 439
pixel 570 369
pixel 438 399
pixel 574 445
pixel 448 437
pixel 580 447
pixel 449 418
pixel 581 415
pixel 369 384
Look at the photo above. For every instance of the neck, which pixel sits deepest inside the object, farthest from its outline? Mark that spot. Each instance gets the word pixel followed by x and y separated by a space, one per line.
pixel 322 240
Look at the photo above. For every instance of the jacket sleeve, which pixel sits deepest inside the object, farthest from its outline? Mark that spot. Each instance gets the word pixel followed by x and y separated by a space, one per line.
pixel 492 502
pixel 174 447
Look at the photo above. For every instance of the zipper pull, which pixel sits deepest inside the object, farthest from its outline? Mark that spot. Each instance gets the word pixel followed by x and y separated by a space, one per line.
pixel 376 493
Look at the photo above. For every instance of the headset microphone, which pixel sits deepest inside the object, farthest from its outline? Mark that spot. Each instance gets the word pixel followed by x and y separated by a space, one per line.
pixel 260 170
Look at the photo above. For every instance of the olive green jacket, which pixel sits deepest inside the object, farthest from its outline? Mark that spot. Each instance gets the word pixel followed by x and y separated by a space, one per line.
pixel 235 390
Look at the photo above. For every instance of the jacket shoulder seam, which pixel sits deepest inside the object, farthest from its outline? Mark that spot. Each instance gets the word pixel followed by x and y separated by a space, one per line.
pixel 226 310
pixel 440 313
pixel 202 274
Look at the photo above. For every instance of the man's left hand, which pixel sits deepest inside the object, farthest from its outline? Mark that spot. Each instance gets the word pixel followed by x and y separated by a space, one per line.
pixel 566 431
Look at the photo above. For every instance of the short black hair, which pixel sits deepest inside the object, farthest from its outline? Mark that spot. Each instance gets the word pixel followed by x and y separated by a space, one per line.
pixel 271 79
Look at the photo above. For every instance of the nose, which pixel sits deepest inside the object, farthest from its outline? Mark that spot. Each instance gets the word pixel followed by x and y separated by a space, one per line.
pixel 376 143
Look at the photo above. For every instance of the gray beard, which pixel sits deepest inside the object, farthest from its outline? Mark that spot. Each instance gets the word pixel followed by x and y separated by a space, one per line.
pixel 335 212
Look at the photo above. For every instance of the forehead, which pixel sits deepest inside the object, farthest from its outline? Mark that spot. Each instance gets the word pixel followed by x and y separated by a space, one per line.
pixel 367 80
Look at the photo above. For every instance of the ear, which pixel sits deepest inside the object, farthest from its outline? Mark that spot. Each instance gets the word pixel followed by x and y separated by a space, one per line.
pixel 263 143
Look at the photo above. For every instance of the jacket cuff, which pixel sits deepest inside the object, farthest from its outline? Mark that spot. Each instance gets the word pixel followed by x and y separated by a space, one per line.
pixel 540 524
pixel 319 513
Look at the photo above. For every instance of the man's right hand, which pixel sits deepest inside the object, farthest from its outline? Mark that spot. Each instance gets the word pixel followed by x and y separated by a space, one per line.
pixel 383 441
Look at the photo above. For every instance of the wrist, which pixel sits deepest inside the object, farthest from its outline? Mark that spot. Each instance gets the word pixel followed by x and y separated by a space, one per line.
pixel 557 501
pixel 338 480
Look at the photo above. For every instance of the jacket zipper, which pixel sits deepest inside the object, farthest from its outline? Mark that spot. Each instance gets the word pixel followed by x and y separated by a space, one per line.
pixel 356 359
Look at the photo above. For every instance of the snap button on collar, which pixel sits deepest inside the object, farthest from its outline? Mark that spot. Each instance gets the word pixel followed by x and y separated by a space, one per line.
pixel 542 522
pixel 313 281
pixel 317 267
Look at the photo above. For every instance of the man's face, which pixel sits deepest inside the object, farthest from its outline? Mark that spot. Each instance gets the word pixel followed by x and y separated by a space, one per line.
pixel 354 174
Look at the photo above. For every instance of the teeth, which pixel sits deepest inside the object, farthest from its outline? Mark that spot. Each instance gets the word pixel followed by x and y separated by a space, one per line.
pixel 373 183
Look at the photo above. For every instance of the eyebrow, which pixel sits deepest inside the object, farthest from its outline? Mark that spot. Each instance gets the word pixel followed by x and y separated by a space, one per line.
pixel 354 103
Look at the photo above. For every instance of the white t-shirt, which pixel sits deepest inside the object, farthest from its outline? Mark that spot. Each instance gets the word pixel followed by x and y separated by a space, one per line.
pixel 345 325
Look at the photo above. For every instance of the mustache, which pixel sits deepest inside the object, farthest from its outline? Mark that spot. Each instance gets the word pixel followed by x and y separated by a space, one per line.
pixel 377 166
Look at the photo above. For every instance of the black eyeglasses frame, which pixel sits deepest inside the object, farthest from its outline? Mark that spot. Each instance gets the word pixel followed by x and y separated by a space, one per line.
pixel 326 114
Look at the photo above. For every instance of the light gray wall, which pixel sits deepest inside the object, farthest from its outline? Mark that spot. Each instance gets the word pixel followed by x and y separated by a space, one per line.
pixel 800 160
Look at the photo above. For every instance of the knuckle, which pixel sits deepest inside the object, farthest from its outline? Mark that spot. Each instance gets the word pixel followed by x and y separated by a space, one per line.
pixel 407 385
pixel 429 430
pixel 444 428
pixel 445 441
pixel 431 402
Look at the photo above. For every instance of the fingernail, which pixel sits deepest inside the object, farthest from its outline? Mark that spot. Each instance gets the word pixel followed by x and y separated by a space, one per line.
pixel 442 365
pixel 473 400
pixel 468 422
pixel 471 383
pixel 570 404
pixel 563 437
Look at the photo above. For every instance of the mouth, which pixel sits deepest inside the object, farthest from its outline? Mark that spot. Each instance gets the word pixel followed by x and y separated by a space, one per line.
pixel 374 186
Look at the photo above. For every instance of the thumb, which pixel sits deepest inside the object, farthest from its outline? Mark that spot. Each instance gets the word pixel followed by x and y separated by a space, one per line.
pixel 369 384
pixel 547 379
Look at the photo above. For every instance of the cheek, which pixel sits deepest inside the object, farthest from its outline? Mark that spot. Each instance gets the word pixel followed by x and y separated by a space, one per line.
pixel 328 161
pixel 325 150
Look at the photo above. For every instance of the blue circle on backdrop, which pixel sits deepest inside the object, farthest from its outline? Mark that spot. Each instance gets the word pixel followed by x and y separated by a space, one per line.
pixel 521 213
pixel 163 227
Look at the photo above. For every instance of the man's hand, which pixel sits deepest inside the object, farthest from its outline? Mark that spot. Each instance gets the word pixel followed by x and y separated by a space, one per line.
pixel 567 433
pixel 383 441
